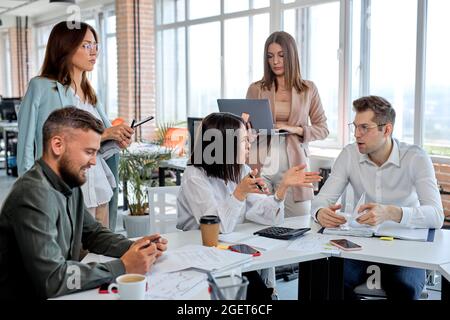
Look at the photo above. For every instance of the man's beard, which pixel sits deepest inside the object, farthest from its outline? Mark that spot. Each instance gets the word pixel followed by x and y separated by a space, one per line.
pixel 69 174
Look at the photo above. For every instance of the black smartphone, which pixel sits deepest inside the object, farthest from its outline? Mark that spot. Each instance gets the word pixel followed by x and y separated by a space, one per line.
pixel 243 248
pixel 104 288
pixel 345 244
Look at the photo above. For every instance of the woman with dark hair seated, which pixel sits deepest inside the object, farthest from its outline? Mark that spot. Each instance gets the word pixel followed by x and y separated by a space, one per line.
pixel 218 182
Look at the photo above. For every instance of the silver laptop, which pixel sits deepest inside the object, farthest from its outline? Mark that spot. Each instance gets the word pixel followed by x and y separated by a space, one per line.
pixel 258 110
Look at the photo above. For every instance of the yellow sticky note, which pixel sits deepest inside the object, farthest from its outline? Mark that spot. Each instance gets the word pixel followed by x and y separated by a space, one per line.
pixel 387 238
pixel 222 246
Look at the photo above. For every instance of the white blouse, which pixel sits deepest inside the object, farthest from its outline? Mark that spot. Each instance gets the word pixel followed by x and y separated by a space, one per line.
pixel 202 195
pixel 100 180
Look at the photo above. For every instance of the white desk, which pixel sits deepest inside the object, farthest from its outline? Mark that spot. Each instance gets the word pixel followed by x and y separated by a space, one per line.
pixel 427 255
pixel 277 257
pixel 415 254
pixel 94 295
pixel 444 269
pixel 423 255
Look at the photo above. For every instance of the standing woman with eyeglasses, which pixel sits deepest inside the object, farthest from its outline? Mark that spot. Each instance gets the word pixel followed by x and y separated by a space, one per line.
pixel 297 109
pixel 70 54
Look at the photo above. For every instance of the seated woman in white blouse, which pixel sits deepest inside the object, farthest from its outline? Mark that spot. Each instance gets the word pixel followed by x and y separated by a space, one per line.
pixel 217 181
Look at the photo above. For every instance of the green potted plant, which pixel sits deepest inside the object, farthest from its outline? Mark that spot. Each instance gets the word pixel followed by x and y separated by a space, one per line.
pixel 135 171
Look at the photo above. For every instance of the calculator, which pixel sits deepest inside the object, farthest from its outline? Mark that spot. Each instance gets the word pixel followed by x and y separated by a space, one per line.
pixel 281 232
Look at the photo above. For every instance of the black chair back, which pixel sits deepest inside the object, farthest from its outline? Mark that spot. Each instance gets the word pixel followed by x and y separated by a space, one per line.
pixel 8 109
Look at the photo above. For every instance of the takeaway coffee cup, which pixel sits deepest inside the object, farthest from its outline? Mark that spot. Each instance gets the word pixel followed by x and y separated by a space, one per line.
pixel 130 286
pixel 209 226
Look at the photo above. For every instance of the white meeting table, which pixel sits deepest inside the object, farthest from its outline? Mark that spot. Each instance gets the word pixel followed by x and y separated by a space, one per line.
pixel 444 270
pixel 321 274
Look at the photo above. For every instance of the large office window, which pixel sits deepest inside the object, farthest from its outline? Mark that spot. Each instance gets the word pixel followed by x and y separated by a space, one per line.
pixel 6 74
pixel 318 44
pixel 204 68
pixel 437 84
pixel 104 75
pixel 111 75
pixel 393 62
pixel 244 63
pixel 207 49
pixel 348 48
pixel 42 34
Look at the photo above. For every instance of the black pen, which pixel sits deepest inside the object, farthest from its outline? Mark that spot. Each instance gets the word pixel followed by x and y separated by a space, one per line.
pixel 143 121
pixel 257 185
pixel 132 123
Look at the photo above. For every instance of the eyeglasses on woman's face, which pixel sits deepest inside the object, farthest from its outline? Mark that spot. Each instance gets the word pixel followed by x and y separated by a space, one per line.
pixel 90 46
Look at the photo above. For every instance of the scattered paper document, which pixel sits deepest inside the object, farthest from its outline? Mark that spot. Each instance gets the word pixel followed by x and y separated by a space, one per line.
pixel 170 261
pixel 314 242
pixel 233 237
pixel 350 231
pixel 352 221
pixel 396 230
pixel 352 227
pixel 181 285
pixel 263 242
pixel 200 257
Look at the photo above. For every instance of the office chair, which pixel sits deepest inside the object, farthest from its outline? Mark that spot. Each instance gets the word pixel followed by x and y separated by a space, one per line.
pixel 363 293
pixel 163 208
pixel 192 125
pixel 8 109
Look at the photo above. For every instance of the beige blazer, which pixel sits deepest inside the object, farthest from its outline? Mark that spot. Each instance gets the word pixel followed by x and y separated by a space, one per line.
pixel 307 112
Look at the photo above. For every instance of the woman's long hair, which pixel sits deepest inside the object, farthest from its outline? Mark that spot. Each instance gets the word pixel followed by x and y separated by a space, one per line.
pixel 225 164
pixel 62 44
pixel 292 74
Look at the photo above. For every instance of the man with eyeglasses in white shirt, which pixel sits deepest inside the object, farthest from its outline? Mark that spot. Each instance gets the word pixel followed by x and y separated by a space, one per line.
pixel 399 184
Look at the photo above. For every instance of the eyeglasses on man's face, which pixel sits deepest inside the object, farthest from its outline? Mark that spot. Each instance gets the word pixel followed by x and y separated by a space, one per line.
pixel 363 128
pixel 90 46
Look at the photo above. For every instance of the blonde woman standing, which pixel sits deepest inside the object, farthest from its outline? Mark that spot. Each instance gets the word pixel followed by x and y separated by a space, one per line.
pixel 297 109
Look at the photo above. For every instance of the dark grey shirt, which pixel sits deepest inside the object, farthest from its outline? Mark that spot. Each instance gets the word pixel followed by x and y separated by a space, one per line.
pixel 43 226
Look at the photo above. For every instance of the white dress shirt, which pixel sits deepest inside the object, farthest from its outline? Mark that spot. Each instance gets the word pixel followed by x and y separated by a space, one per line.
pixel 406 180
pixel 100 180
pixel 202 195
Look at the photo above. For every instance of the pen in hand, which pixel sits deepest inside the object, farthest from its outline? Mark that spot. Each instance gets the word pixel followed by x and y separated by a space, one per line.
pixel 257 185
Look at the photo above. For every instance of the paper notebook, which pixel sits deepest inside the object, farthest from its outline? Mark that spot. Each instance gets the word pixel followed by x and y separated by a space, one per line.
pixel 385 229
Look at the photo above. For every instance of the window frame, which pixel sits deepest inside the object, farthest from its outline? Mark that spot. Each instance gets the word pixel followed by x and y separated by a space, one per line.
pixel 6 64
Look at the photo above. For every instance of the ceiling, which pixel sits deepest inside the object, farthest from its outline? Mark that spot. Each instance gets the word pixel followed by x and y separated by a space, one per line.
pixel 29 8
